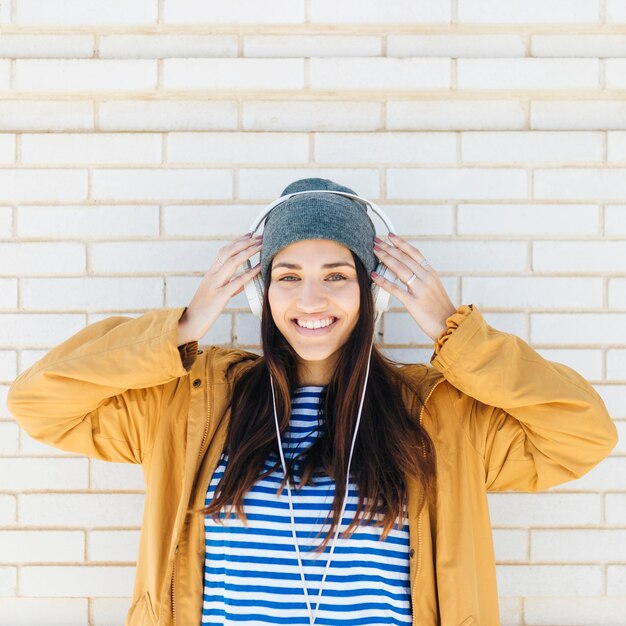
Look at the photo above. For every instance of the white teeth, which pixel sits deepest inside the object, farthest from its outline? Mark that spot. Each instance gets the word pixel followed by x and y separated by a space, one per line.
pixel 316 324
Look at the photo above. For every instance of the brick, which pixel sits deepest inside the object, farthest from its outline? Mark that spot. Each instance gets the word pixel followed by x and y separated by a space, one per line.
pixel 45 115
pixel 244 11
pixel 8 293
pixel 109 611
pixel 226 148
pixel 615 11
pixel 260 184
pixel 8 581
pixel 580 184
pixel 58 612
pixel 370 11
pixel 615 220
pixel 20 185
pixel 578 256
pixel 533 291
pixel 311 115
pixel 166 46
pixel 528 74
pixel 528 219
pixel 614 74
pixel 510 611
pixel 549 580
pixel 598 611
pixel 76 581
pixel 537 146
pixel 246 330
pixel 6 221
pixel 588 363
pixel 615 508
pixel 456 183
pixel 616 363
pixel 5 12
pixel 153 257
pixel 577 45
pixel 616 580
pixel 531 11
pixel 411 220
pixel 617 292
pixel 41 46
pixel 91 149
pixel 609 475
pixel 115 476
pixel 383 147
pixel 521 510
pixel 113 545
pixel 510 545
pixel 579 114
pixel 23 546
pixel 214 220
pixel 5 74
pixel 8 365
pixel 576 328
pixel 72 75
pixel 82 294
pixel 9 432
pixel 456 45
pixel 311 46
pixel 34 473
pixel 82 12
pixel 29 330
pixel 8 510
pixel 139 115
pixel 379 73
pixel 270 74
pixel 87 221
pixel 81 510
pixel 162 184
pixel 616 144
pixel 613 397
pixel 42 258
pixel 580 546
pixel 7 148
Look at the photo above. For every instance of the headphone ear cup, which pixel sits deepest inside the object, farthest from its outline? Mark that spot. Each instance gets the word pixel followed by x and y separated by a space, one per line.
pixel 254 293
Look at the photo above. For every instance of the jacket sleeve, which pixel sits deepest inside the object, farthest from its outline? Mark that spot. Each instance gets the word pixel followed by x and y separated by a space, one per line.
pixel 535 423
pixel 99 392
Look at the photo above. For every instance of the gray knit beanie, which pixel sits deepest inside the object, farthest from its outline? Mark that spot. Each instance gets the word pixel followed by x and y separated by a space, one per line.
pixel 318 216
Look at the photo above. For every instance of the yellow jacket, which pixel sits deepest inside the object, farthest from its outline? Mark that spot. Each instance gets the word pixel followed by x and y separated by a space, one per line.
pixel 501 418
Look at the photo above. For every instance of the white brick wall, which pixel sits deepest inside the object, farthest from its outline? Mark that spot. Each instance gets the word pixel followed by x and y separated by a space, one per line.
pixel 136 138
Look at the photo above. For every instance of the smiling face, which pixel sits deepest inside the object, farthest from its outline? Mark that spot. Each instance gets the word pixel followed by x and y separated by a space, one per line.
pixel 302 288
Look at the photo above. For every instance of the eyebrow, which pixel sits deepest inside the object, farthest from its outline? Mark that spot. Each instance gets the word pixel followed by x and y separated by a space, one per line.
pixel 293 266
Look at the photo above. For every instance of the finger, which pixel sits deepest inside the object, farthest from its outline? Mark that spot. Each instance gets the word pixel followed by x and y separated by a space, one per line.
pixel 411 251
pixel 392 288
pixel 236 254
pixel 240 280
pixel 402 265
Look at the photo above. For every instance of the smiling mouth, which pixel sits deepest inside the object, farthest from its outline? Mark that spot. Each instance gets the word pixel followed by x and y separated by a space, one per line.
pixel 312 330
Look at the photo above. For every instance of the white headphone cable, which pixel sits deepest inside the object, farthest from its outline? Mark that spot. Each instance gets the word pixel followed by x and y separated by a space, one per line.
pixel 293 524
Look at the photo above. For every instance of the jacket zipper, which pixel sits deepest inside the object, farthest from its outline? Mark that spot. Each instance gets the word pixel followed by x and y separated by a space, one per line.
pixel 173 597
pixel 208 411
pixel 419 518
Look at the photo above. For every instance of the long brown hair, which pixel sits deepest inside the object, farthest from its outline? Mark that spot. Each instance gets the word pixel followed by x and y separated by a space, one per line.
pixel 390 444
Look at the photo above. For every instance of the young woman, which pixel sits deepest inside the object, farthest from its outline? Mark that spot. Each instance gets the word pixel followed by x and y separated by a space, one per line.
pixel 387 521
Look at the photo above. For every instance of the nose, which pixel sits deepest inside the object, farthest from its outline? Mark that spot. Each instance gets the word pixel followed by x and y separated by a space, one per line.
pixel 311 296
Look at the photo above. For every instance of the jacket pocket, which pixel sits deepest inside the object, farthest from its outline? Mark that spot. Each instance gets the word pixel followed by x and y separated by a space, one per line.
pixel 142 612
pixel 469 621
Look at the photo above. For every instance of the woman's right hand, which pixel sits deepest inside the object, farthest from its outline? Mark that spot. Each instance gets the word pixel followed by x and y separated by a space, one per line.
pixel 218 286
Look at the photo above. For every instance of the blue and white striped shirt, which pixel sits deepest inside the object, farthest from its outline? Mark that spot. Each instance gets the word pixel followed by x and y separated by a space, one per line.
pixel 251 574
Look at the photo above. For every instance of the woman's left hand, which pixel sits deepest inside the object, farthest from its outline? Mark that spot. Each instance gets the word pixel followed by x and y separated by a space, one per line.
pixel 425 298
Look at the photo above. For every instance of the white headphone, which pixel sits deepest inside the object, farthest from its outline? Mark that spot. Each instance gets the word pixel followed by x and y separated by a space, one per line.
pixel 254 287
